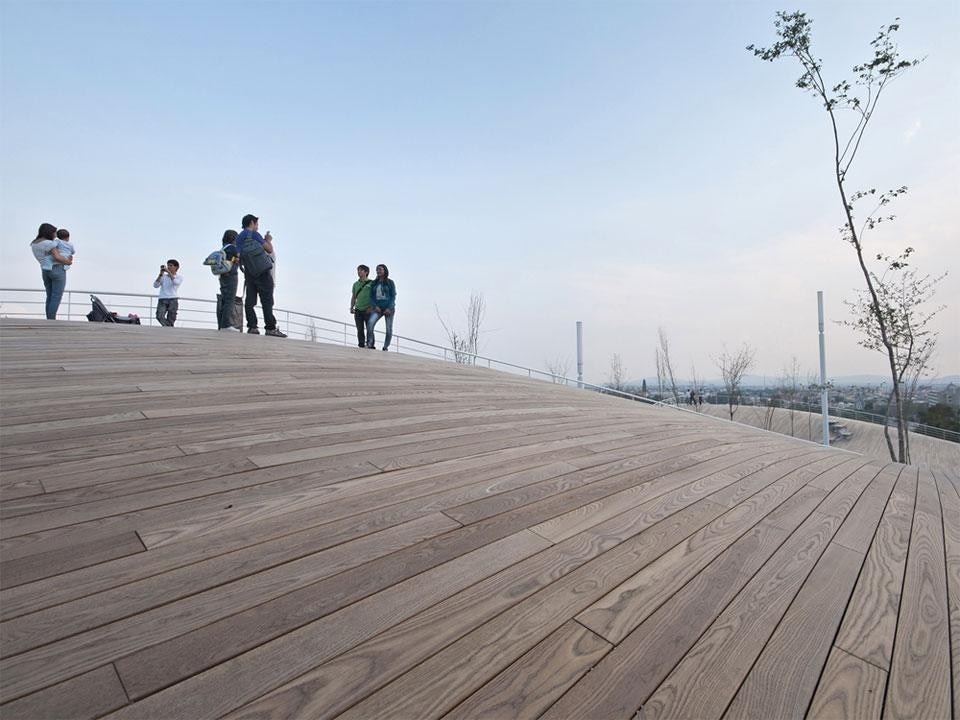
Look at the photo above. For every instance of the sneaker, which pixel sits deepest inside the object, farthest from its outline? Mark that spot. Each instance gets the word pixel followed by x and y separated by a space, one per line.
pixel 386 349
pixel 230 329
pixel 253 331
pixel 371 347
pixel 275 332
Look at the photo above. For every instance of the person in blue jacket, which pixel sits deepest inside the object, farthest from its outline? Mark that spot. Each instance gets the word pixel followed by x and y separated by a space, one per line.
pixel 383 303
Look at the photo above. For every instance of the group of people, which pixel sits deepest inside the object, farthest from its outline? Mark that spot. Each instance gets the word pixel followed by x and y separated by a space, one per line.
pixel 54 251
pixel 249 251
pixel 371 300
pixel 253 253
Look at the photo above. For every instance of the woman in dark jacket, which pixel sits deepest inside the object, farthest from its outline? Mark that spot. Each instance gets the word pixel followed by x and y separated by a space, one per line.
pixel 383 301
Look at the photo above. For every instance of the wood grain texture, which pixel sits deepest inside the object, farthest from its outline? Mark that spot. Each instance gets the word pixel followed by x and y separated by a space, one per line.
pixel 950 505
pixel 707 678
pixel 850 689
pixel 340 683
pixel 919 684
pixel 421 538
pixel 281 566
pixel 620 611
pixel 556 662
pixel 870 622
pixel 21 570
pixel 239 680
pixel 84 697
pixel 784 677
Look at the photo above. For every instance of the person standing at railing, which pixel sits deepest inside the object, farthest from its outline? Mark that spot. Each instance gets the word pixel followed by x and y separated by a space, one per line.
pixel 360 302
pixel 168 300
pixel 53 267
pixel 383 301
pixel 228 283
pixel 257 263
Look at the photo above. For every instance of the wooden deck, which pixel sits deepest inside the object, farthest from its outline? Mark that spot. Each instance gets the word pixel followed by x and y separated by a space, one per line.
pixel 201 525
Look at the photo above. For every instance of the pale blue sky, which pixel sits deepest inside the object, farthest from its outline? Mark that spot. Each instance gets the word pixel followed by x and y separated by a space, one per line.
pixel 627 164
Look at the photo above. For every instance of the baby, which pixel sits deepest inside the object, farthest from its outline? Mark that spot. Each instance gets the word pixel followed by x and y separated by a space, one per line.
pixel 64 246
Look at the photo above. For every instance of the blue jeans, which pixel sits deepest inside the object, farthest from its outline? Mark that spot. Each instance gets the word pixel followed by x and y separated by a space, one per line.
pixel 375 314
pixel 54 281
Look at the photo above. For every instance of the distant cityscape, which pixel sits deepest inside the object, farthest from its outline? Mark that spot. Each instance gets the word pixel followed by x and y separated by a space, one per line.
pixel 934 402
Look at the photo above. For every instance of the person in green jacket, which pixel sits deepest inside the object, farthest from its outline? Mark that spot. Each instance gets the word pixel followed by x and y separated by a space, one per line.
pixel 360 302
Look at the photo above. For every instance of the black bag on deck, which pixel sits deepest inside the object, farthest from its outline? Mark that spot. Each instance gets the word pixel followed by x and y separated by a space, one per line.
pixel 236 313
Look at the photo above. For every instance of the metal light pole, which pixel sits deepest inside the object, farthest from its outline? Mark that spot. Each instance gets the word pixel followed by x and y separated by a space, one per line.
pixel 580 354
pixel 824 391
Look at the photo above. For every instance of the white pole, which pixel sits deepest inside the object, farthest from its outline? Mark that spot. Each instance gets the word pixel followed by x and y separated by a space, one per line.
pixel 824 392
pixel 580 354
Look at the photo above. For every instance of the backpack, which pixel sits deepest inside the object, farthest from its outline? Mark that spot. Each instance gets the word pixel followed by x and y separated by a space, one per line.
pixel 254 260
pixel 219 265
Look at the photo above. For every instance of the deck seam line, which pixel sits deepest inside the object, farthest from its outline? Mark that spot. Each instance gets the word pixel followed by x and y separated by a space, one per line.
pixel 903 582
pixel 946 582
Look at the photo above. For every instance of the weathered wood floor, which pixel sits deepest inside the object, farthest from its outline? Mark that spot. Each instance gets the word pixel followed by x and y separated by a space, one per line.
pixel 200 525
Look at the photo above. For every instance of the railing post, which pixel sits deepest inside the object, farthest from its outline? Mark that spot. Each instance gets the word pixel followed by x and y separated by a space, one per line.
pixel 69 304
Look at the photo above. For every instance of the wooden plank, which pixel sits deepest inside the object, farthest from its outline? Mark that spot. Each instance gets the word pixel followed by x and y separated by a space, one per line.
pixel 84 697
pixel 725 471
pixel 870 623
pixel 291 564
pixel 228 637
pixel 616 614
pixel 919 684
pixel 40 472
pixel 613 474
pixel 237 681
pixel 708 676
pixel 859 529
pixel 850 689
pixel 419 488
pixel 530 685
pixel 234 535
pixel 12 488
pixel 784 678
pixel 950 505
pixel 624 679
pixel 702 685
pixel 339 683
pixel 71 556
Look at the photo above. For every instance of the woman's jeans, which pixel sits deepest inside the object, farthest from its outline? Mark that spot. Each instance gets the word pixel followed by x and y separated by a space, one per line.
pixel 375 314
pixel 54 281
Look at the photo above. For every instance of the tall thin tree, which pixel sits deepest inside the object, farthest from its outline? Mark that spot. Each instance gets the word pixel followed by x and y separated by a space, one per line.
pixel 858 100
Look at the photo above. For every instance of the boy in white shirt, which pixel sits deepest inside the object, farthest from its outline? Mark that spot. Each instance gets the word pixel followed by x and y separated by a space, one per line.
pixel 167 300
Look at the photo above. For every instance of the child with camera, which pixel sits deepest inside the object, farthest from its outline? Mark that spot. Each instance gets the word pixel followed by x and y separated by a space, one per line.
pixel 168 299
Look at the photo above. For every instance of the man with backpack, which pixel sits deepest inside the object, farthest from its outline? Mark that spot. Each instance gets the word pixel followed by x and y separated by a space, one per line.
pixel 258 280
